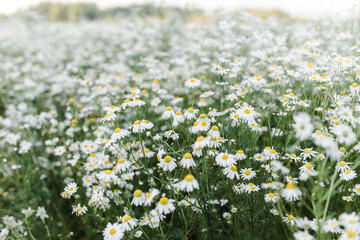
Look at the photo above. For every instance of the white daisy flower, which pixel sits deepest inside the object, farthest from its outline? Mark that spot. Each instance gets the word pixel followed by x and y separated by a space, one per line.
pixel 188 184
pixel 231 172
pixel 187 161
pixel 79 210
pixel 113 232
pixel 165 205
pixel 247 173
pixel 192 83
pixel 225 160
pixel 139 198
pixel 291 192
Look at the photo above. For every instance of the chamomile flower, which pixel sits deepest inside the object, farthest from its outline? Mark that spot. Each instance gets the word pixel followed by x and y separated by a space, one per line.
pixel 307 153
pixel 240 155
pixel 71 188
pixel 303 235
pixel 291 192
pixel 138 198
pixel 138 127
pixel 348 175
pixel 169 113
pixel 231 172
pixel 119 134
pixel 274 212
pixel 59 151
pixel 165 205
pixel 128 223
pixel 225 160
pixel 201 142
pixel 246 113
pixel 167 163
pixel 306 168
pixel 342 166
pixel 190 113
pixel 214 132
pixel 110 117
pixel 192 83
pixel 272 197
pixel 79 210
pixel 138 234
pixel 290 219
pixel 188 184
pixel 113 232
pixel 106 175
pixel 356 189
pixel 332 225
pixel 187 161
pixel 247 173
pixel 122 165
pixel 347 198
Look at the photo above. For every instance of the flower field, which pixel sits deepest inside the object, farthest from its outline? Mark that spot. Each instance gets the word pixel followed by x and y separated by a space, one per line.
pixel 179 128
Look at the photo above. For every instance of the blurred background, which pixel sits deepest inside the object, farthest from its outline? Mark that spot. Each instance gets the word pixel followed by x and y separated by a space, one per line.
pixel 72 9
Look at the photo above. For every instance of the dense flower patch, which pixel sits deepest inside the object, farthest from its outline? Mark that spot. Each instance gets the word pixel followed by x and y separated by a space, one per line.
pixel 241 128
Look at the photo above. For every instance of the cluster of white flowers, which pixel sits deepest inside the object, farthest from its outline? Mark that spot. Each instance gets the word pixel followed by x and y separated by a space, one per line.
pixel 209 123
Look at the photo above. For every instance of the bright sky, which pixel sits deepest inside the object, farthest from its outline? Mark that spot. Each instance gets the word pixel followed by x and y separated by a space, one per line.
pixel 312 8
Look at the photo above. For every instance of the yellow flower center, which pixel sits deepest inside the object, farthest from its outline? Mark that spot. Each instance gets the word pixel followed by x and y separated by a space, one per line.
pixel 117 130
pixel 126 218
pixel 190 110
pixel 169 108
pixel 189 178
pixel 354 85
pixel 164 200
pixel 290 185
pixel 138 193
pixel 215 128
pixel 234 168
pixel 199 139
pixel 307 151
pixel 247 111
pixel 247 172
pixel 351 233
pixel 271 195
pixel 112 231
pixel 347 171
pixel 291 217
pixel 202 116
pixel 273 151
pixel 225 157
pixel 308 165
pixel 167 159
pixel 187 155
pixel 192 80
pixel 137 122
pixel 108 171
